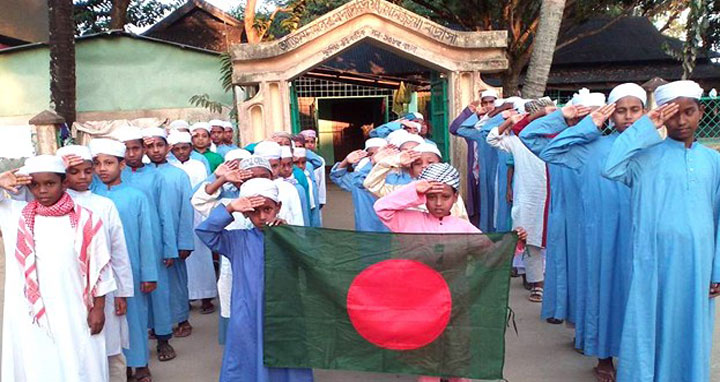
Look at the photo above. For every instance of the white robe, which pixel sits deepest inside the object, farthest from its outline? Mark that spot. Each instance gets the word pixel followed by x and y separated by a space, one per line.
pixel 29 353
pixel 529 186
pixel 117 334
pixel 322 187
pixel 200 269
pixel 291 206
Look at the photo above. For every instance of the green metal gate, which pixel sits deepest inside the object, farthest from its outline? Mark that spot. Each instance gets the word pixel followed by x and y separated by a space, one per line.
pixel 439 113
pixel 294 110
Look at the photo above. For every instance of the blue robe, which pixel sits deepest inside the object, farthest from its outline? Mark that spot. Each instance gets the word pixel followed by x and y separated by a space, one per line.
pixel 148 180
pixel 493 169
pixel 606 208
pixel 564 241
pixel 675 195
pixel 223 149
pixel 134 209
pixel 365 217
pixel 243 356
pixel 177 200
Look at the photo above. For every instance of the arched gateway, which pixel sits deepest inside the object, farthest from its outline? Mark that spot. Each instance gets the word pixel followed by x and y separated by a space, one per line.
pixel 457 59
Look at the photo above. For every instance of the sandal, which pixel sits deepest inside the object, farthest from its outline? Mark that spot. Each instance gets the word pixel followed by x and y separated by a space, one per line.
pixel 554 321
pixel 151 335
pixel 143 376
pixel 604 375
pixel 208 310
pixel 536 294
pixel 165 352
pixel 183 330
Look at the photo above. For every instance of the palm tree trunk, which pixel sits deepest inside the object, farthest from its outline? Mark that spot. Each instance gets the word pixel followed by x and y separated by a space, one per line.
pixel 61 41
pixel 551 14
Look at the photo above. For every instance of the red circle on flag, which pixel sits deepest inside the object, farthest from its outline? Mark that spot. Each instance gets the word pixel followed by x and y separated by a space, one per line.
pixel 399 304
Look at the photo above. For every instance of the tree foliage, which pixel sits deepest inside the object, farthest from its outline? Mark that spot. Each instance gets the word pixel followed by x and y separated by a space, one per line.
pixel 93 16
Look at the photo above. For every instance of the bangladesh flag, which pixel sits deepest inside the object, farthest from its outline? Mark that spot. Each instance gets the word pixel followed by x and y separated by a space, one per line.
pixel 397 303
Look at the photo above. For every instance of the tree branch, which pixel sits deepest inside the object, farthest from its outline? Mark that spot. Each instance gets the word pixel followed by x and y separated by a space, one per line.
pixel 270 20
pixel 447 16
pixel 592 32
pixel 671 19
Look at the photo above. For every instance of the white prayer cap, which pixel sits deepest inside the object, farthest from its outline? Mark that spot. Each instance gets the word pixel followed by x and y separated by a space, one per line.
pixel 395 137
pixel 151 132
pixel 200 125
pixel 217 122
pixel 179 124
pixel 237 154
pixel 625 90
pixel 584 98
pixel 130 134
pixel 518 103
pixel 300 152
pixel 107 147
pixel 268 150
pixel 417 115
pixel 415 125
pixel 286 151
pixel 43 163
pixel 255 161
pixel 81 151
pixel 375 142
pixel 410 138
pixel 489 93
pixel 260 187
pixel 227 125
pixel 668 92
pixel 427 148
pixel 178 137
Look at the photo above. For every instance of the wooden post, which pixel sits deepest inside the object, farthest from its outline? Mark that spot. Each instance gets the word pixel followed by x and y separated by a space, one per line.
pixel 45 127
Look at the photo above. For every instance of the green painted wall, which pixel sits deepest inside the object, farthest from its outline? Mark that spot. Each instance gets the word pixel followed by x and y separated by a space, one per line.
pixel 113 73
pixel 24 82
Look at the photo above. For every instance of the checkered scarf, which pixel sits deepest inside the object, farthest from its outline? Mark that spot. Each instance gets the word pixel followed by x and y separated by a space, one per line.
pixel 443 173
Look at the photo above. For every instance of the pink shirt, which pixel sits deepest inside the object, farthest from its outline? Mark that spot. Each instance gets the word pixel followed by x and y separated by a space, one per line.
pixel 393 211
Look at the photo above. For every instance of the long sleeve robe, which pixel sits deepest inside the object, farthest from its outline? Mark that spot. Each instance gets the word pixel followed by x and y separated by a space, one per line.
pixel 365 217
pixel 243 356
pixel 491 186
pixel 472 202
pixel 200 268
pixel 29 354
pixel 606 208
pixel 177 200
pixel 117 335
pixel 564 216
pixel 134 210
pixel 529 186
pixel 148 180
pixel 398 211
pixel 675 200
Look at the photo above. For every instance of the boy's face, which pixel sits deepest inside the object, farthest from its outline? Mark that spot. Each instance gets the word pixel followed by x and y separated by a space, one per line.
pixel 134 151
pixel 79 177
pixel 157 150
pixel 301 162
pixel 310 144
pixel 263 214
pixel 201 139
pixel 47 187
pixel 425 160
pixel 182 151
pixel 439 204
pixel 282 141
pixel 488 103
pixel 228 136
pixel 275 165
pixel 286 165
pixel 682 125
pixel 108 168
pixel 627 110
pixel 261 172
pixel 216 134
pixel 407 146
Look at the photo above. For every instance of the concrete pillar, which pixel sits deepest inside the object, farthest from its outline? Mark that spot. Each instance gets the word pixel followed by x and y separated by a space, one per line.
pixel 45 127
